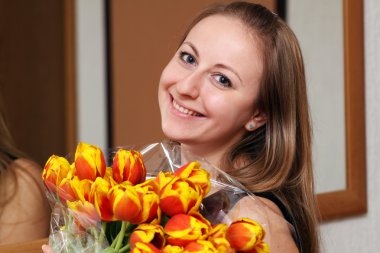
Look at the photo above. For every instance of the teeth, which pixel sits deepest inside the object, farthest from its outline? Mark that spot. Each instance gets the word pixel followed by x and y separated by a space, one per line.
pixel 185 110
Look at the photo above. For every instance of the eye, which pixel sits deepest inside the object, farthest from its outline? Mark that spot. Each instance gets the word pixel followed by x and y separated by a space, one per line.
pixel 187 58
pixel 223 80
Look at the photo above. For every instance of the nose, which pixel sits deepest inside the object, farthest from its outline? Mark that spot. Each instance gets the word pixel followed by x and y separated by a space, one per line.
pixel 190 84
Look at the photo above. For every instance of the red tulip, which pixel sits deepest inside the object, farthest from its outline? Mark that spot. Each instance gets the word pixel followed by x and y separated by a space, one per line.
pixel 182 229
pixel 194 173
pixel 128 165
pixel 148 233
pixel 89 162
pixel 180 196
pixel 244 234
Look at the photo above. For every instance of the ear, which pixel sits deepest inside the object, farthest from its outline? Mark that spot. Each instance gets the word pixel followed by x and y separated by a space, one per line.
pixel 255 121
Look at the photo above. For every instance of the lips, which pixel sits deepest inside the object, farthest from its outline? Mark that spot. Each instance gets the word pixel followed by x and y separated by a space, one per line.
pixel 185 110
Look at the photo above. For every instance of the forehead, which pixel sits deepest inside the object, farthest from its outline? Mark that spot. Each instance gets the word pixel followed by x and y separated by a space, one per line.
pixel 227 40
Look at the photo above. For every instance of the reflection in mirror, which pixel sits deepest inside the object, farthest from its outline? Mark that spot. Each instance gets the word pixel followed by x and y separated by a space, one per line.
pixel 336 86
pixel 320 33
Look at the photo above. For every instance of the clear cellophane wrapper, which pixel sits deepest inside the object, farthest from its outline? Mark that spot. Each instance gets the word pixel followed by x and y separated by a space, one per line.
pixel 227 201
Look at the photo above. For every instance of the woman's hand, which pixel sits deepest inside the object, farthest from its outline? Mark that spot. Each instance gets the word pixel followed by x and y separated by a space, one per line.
pixel 47 249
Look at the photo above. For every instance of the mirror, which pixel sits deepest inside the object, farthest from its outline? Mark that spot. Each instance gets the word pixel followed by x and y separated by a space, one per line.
pixel 335 77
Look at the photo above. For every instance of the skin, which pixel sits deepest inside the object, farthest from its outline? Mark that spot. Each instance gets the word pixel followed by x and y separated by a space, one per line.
pixel 214 75
pixel 27 216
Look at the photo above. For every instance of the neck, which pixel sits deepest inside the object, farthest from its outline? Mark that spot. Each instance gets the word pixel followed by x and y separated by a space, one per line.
pixel 213 156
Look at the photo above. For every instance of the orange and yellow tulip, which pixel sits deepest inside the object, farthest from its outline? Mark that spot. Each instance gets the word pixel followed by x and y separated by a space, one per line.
pixel 89 162
pixel 149 200
pixel 142 247
pixel 99 197
pixel 125 201
pixel 244 234
pixel 56 169
pixel 172 249
pixel 128 165
pixel 182 229
pixel 194 173
pixel 148 233
pixel 84 212
pixel 180 196
pixel 261 247
pixel 200 246
pixel 163 178
pixel 217 237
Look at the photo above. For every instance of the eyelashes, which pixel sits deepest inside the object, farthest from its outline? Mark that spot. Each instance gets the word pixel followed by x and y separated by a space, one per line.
pixel 220 78
pixel 187 58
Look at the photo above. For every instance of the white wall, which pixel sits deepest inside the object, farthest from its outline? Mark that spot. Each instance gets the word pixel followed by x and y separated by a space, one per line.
pixel 359 234
pixel 362 234
pixel 90 76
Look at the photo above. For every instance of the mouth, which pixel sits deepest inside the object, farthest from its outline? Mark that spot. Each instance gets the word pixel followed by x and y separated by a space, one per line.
pixel 184 110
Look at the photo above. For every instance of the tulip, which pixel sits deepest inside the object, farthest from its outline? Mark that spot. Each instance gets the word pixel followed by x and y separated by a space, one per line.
pixel 84 212
pixel 217 237
pixel 56 169
pixel 200 246
pixel 89 162
pixel 148 233
pixel 125 202
pixel 182 229
pixel 180 196
pixel 108 176
pixel 163 178
pixel 194 173
pixel 142 247
pixel 261 247
pixel 243 234
pixel 128 165
pixel 99 197
pixel 68 188
pixel 172 249
pixel 149 200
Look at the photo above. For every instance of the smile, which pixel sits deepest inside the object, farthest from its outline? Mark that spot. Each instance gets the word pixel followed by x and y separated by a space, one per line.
pixel 185 110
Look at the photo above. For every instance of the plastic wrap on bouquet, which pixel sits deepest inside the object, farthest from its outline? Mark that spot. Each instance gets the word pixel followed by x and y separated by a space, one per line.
pixel 86 219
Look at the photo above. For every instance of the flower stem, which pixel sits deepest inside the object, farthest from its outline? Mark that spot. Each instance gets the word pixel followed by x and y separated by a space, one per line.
pixel 103 232
pixel 124 225
pixel 124 249
pixel 114 241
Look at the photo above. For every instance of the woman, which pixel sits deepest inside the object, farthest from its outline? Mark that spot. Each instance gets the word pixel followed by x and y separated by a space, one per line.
pixel 24 210
pixel 235 94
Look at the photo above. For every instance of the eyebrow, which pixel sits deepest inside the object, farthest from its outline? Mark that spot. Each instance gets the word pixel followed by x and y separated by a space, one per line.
pixel 192 47
pixel 219 65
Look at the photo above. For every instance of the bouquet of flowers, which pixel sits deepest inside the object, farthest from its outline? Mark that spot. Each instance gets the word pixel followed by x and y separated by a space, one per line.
pixel 156 198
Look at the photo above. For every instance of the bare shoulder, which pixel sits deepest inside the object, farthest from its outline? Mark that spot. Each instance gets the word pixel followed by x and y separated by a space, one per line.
pixel 26 215
pixel 268 214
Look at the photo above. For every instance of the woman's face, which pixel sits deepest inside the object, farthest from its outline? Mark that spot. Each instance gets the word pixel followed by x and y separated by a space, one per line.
pixel 208 89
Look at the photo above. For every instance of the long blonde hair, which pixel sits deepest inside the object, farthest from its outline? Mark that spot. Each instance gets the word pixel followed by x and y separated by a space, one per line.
pixel 277 155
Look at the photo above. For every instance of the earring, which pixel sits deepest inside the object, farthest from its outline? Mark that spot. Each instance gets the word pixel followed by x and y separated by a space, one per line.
pixel 251 126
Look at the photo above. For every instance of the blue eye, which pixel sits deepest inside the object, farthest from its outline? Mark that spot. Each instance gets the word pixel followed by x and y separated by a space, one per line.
pixel 223 80
pixel 188 58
